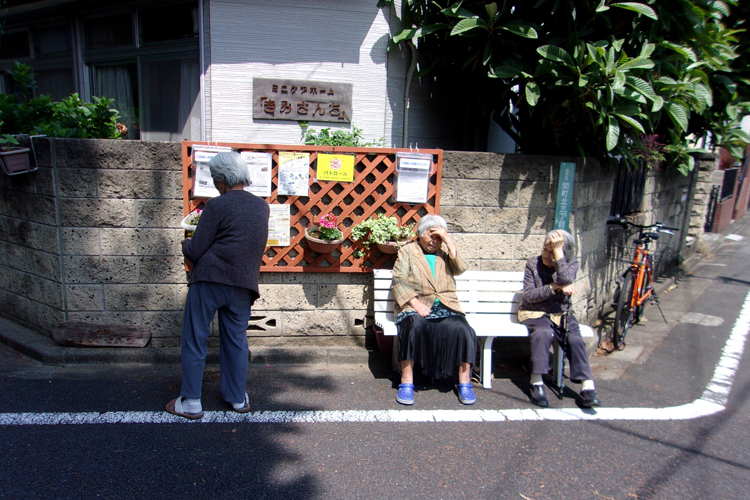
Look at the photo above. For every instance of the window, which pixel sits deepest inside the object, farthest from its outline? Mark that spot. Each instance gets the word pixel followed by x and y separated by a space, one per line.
pixel 171 104
pixel 169 23
pixel 15 45
pixel 120 82
pixel 153 74
pixel 108 32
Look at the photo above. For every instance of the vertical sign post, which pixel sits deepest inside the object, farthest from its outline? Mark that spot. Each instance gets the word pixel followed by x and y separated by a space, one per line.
pixel 564 195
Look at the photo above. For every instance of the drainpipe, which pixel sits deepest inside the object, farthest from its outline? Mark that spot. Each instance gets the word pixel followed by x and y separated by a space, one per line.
pixel 409 76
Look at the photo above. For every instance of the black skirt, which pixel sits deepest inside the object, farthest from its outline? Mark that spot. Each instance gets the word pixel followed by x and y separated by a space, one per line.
pixel 437 345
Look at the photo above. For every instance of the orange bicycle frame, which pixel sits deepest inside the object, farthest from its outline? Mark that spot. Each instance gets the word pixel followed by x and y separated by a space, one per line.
pixel 640 268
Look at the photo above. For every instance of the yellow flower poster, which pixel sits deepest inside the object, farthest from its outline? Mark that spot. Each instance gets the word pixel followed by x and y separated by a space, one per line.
pixel 338 168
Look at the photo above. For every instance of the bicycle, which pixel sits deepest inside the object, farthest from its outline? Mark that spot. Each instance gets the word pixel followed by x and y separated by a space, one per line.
pixel 636 283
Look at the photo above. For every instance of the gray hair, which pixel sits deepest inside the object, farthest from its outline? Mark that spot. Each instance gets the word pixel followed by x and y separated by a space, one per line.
pixel 569 243
pixel 430 221
pixel 230 169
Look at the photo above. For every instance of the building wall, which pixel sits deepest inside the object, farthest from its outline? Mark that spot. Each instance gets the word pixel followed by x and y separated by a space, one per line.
pixel 94 236
pixel 335 40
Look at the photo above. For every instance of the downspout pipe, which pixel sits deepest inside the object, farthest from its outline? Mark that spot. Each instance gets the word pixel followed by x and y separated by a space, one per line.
pixel 407 89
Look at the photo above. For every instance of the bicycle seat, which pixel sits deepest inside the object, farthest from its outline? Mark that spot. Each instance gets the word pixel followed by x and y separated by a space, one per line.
pixel 648 236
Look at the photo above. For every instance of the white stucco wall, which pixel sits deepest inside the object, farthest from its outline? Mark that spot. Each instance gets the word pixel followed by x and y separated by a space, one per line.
pixel 326 40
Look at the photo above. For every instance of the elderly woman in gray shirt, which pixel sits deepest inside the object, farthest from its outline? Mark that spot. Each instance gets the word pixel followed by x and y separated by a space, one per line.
pixel 547 287
pixel 226 251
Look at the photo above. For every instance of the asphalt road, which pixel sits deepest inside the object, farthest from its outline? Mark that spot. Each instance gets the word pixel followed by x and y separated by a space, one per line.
pixel 303 439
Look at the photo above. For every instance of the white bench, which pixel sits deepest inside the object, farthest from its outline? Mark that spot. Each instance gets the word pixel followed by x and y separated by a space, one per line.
pixel 490 300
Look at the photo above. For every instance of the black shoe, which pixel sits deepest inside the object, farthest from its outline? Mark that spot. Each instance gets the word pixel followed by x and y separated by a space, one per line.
pixel 538 395
pixel 589 399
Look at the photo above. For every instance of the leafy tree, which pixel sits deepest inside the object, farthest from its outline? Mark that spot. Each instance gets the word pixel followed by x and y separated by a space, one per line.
pixel 23 113
pixel 591 77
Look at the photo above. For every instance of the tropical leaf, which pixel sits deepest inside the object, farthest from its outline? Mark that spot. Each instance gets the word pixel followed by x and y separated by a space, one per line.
pixel 487 53
pixel 554 53
pixel 521 29
pixel 637 63
pixel 658 104
pixel 637 7
pixel 465 25
pixel 642 87
pixel 613 133
pixel 678 114
pixel 684 51
pixel 532 93
pixel 504 72
pixel 491 9
pixel 632 122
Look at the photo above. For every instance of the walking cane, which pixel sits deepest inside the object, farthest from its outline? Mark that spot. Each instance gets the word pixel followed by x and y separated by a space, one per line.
pixel 563 349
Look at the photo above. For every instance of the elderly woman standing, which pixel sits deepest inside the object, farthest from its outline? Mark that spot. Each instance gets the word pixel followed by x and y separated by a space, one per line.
pixel 432 328
pixel 226 251
pixel 547 287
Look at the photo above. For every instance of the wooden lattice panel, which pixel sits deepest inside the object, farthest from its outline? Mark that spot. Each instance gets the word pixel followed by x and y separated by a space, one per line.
pixel 351 202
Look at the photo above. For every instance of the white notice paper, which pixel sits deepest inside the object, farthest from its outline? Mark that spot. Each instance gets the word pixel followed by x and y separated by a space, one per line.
pixel 294 173
pixel 260 166
pixel 279 224
pixel 413 177
pixel 203 186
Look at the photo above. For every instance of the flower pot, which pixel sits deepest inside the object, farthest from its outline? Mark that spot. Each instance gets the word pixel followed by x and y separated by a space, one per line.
pixel 15 160
pixel 391 247
pixel 318 245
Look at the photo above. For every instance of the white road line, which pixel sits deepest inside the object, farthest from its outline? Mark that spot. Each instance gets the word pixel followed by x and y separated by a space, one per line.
pixel 713 400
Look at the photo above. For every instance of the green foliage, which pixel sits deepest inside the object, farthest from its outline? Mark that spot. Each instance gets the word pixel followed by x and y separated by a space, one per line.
pixel 22 113
pixel 592 77
pixel 352 138
pixel 380 230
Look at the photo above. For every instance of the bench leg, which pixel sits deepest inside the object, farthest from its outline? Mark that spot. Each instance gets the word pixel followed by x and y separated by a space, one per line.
pixel 557 364
pixel 485 363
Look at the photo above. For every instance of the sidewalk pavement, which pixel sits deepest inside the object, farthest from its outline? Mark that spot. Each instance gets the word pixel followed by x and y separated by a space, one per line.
pixel 641 340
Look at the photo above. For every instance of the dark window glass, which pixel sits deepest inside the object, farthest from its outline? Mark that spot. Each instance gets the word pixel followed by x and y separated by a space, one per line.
pixel 116 31
pixel 120 82
pixel 15 45
pixel 52 40
pixel 59 83
pixel 171 102
pixel 169 23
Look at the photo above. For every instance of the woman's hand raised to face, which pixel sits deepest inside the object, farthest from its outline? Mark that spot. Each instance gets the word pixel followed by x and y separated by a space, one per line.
pixel 556 241
pixel 446 238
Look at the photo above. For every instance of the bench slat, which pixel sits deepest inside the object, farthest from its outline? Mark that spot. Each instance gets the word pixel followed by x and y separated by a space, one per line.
pixel 465 297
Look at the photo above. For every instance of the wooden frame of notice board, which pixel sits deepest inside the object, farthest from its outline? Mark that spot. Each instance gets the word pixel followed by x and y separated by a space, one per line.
pixel 371 193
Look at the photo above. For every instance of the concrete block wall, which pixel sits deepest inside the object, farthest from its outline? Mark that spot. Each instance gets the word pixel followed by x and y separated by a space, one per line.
pixel 31 276
pixel 94 236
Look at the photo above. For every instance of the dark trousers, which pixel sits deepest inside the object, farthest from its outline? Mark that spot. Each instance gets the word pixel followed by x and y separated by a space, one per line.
pixel 542 331
pixel 204 299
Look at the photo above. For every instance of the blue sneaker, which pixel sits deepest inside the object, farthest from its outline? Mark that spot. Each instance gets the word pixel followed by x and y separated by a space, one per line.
pixel 466 394
pixel 405 394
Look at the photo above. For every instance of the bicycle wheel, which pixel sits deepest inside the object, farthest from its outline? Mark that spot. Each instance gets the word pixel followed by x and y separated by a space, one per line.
pixel 624 312
pixel 645 287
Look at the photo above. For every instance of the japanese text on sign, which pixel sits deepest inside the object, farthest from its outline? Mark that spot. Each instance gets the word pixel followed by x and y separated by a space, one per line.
pixel 564 195
pixel 335 168
pixel 277 99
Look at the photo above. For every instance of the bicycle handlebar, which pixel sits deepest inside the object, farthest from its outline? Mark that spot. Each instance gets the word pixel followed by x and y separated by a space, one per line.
pixel 659 227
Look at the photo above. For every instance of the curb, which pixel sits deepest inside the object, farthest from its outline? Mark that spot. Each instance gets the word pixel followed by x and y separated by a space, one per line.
pixel 45 350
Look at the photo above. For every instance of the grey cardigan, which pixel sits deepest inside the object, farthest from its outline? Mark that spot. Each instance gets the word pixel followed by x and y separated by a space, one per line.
pixel 230 240
pixel 537 294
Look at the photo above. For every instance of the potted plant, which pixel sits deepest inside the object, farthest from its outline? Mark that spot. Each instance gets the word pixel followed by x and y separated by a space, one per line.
pixel 324 237
pixel 14 159
pixel 384 232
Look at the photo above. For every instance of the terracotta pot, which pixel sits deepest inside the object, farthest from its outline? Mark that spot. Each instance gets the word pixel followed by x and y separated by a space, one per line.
pixel 15 160
pixel 391 247
pixel 318 245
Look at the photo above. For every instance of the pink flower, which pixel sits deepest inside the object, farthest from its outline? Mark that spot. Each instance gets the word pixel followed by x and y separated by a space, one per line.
pixel 328 220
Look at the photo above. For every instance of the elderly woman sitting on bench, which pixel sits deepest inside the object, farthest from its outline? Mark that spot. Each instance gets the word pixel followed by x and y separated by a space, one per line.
pixel 547 288
pixel 432 328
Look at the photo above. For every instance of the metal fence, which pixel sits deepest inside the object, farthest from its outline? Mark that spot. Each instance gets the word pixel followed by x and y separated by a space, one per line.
pixel 630 184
